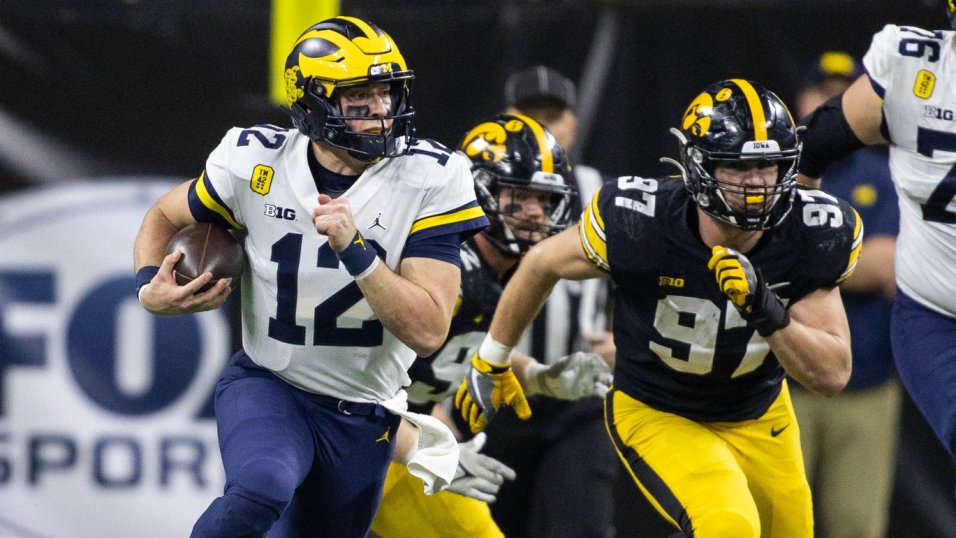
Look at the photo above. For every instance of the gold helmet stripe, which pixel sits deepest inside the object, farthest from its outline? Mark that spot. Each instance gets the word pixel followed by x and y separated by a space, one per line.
pixel 756 108
pixel 547 158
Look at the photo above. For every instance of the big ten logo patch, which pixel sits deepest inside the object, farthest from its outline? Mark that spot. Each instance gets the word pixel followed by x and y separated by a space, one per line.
pixel 104 408
pixel 277 212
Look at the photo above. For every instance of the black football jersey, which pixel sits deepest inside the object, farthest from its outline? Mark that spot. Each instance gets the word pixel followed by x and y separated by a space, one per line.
pixel 438 375
pixel 682 347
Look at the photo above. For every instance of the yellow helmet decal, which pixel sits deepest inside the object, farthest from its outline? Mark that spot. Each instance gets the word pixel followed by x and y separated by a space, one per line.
pixel 951 6
pixel 292 91
pixel 486 140
pixel 723 95
pixel 547 159
pixel 697 116
pixel 354 59
pixel 756 108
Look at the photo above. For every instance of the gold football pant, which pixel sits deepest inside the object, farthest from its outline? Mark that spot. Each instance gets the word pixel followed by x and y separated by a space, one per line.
pixel 407 511
pixel 716 479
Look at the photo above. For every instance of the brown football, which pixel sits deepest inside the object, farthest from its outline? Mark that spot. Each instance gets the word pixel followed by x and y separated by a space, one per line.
pixel 206 247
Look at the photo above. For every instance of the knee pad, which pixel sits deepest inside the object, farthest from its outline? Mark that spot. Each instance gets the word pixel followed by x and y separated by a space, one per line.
pixel 270 481
pixel 235 516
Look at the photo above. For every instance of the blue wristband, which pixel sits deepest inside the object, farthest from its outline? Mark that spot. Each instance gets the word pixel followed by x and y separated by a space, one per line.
pixel 358 257
pixel 145 275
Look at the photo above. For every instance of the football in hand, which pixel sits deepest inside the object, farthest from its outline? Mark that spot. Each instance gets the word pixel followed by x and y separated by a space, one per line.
pixel 206 247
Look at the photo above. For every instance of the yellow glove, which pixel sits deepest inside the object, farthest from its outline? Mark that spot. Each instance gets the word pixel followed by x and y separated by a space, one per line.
pixel 735 275
pixel 745 286
pixel 485 388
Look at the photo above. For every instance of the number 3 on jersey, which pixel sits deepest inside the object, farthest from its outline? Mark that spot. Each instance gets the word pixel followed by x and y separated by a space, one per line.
pixel 287 253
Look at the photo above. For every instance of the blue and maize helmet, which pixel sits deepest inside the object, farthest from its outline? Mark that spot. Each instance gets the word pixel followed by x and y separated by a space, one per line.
pixel 345 52
pixel 738 120
pixel 517 152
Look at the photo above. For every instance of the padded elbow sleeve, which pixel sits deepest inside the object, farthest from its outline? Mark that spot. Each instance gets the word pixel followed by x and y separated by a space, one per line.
pixel 827 138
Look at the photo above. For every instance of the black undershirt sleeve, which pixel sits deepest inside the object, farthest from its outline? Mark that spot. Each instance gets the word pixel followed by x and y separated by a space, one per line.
pixel 827 137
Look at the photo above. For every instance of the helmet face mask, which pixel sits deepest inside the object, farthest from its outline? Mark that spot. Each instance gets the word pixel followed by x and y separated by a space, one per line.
pixel 341 54
pixel 522 181
pixel 745 130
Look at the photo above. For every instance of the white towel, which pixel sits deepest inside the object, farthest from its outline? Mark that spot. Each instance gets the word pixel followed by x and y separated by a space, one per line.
pixel 436 459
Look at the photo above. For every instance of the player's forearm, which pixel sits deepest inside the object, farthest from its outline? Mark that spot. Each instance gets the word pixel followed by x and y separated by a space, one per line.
pixel 522 298
pixel 407 310
pixel 161 222
pixel 817 359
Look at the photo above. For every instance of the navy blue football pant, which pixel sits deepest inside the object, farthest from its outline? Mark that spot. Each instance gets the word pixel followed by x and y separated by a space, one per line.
pixel 297 463
pixel 924 347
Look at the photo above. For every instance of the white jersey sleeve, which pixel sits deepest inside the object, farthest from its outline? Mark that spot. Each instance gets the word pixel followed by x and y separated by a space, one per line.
pixel 914 71
pixel 303 316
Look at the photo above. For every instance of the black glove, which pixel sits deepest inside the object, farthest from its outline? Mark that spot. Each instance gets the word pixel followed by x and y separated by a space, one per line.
pixel 745 286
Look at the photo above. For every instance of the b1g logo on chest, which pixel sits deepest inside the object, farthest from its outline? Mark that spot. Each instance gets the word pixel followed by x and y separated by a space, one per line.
pixel 286 213
pixel 938 113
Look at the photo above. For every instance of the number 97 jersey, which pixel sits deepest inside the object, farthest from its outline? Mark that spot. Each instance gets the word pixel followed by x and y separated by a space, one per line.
pixel 303 316
pixel 682 347
pixel 913 71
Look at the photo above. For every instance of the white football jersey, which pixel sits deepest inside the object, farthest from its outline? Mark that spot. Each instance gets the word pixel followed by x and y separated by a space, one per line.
pixel 303 315
pixel 914 70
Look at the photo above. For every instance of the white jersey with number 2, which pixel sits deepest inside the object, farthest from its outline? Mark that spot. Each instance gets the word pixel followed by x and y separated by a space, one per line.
pixel 303 315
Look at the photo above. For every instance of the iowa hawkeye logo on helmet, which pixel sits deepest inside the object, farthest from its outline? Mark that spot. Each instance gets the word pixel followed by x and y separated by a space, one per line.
pixel 517 152
pixel 731 121
pixel 346 52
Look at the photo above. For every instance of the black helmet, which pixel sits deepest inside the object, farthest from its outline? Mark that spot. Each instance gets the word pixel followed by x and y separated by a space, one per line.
pixel 345 52
pixel 516 152
pixel 736 121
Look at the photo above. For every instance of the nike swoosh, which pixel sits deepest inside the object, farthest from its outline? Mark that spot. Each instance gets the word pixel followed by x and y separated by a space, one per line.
pixel 477 395
pixel 775 432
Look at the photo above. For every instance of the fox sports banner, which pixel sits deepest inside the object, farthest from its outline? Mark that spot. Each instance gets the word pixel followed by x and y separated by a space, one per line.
pixel 106 417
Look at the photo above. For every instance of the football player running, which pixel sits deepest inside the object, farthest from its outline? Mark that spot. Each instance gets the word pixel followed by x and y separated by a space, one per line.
pixel 905 99
pixel 352 230
pixel 725 281
pixel 522 180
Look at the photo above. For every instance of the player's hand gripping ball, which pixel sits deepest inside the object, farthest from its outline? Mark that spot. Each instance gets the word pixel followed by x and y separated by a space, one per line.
pixel 206 247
